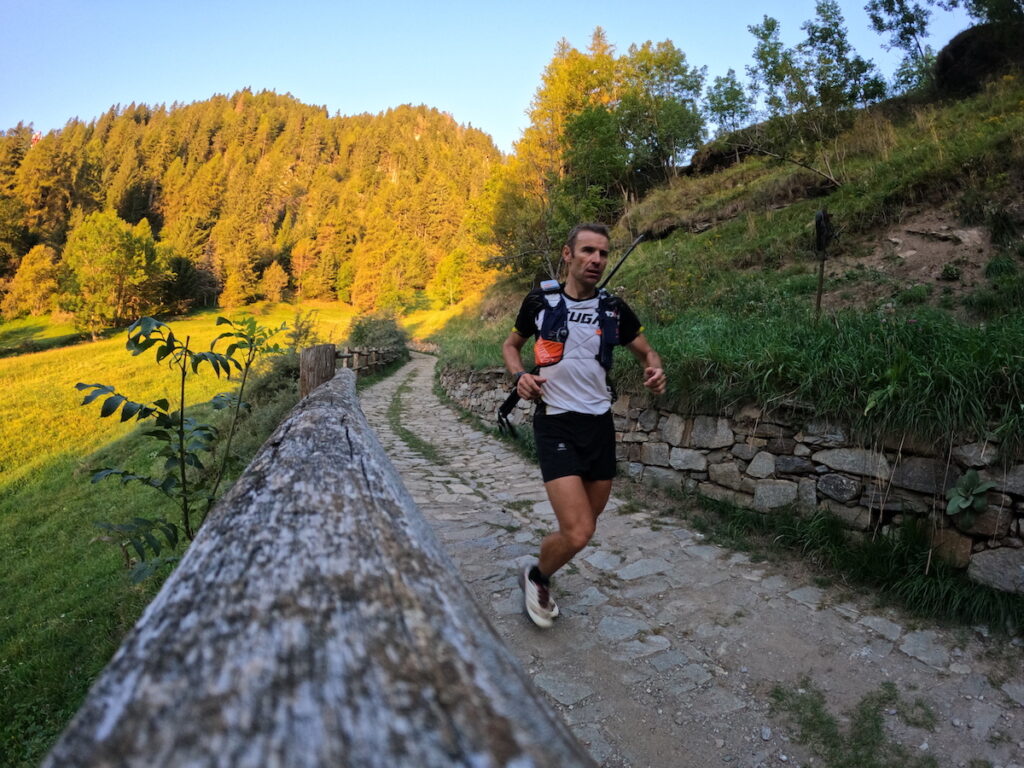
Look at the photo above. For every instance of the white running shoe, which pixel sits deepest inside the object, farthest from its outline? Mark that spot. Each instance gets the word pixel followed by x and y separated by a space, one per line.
pixel 539 606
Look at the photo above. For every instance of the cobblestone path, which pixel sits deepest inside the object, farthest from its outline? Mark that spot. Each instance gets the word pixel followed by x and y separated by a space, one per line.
pixel 668 648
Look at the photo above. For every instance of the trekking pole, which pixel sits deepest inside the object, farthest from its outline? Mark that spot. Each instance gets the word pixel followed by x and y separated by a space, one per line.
pixel 642 236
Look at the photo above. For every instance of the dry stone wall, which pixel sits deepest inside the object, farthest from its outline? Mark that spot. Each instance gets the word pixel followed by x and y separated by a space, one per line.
pixel 770 461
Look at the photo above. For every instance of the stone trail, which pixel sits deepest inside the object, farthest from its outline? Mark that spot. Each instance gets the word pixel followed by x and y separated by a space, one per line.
pixel 668 648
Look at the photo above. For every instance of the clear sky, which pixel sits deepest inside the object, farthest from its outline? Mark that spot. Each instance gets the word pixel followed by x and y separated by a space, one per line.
pixel 479 61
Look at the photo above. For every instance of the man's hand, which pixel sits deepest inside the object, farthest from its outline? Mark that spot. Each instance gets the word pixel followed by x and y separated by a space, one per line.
pixel 654 380
pixel 529 386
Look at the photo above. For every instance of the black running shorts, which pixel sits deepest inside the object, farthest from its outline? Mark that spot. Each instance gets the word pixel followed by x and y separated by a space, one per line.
pixel 575 444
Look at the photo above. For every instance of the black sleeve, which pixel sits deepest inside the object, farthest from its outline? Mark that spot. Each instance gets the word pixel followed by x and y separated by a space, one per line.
pixel 629 324
pixel 526 320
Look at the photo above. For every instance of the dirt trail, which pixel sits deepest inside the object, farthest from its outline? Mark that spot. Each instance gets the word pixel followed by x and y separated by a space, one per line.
pixel 668 648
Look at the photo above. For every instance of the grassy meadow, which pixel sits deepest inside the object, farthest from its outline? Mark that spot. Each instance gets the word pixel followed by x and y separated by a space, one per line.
pixel 66 600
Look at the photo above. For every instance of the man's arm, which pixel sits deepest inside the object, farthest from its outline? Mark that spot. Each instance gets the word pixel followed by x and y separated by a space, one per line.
pixel 654 374
pixel 528 386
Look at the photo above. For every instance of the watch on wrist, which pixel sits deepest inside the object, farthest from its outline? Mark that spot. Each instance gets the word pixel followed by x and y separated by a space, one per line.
pixel 518 375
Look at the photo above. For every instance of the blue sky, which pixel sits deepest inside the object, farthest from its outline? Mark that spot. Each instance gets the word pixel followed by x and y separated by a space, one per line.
pixel 480 61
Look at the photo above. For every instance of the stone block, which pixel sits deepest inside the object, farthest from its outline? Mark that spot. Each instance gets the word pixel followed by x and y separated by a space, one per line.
pixel 664 478
pixel 807 495
pixel 771 494
pixel 770 431
pixel 762 465
pixel 802 450
pixel 954 548
pixel 993 523
pixel 725 474
pixel 636 471
pixel 750 413
pixel 1011 482
pixel 648 419
pixel 635 437
pixel 823 434
pixel 924 475
pixel 856 461
pixel 793 465
pixel 1001 569
pixel 874 498
pixel 711 432
pixel 621 452
pixel 621 406
pixel 676 429
pixel 744 451
pixel 839 487
pixel 975 455
pixel 635 451
pixel 621 423
pixel 781 446
pixel 718 493
pixel 854 518
pixel 687 459
pixel 655 453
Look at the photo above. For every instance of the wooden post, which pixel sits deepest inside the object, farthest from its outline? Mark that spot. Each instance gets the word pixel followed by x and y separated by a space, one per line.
pixel 316 365
pixel 315 620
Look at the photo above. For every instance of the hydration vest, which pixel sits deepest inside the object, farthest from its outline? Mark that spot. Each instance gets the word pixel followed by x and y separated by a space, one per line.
pixel 551 337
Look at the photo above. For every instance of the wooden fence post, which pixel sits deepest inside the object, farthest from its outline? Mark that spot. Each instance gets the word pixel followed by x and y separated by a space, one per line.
pixel 316 365
pixel 315 621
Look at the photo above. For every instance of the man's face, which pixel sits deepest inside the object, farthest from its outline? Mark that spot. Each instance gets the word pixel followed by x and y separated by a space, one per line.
pixel 588 258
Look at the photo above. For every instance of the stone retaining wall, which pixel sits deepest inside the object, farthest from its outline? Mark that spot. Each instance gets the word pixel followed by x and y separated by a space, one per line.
pixel 779 460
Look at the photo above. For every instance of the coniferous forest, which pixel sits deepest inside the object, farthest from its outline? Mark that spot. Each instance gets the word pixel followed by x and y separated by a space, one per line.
pixel 238 198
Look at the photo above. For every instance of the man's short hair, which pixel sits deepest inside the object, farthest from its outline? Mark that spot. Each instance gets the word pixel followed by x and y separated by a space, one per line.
pixel 590 226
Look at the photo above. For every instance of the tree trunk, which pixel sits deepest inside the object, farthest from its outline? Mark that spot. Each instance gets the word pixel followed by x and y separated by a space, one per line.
pixel 315 621
pixel 316 365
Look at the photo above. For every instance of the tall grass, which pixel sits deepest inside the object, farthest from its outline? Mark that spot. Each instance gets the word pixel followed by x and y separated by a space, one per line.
pixel 922 372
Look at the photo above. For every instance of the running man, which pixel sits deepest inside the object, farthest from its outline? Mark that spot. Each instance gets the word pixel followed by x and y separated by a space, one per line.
pixel 577 327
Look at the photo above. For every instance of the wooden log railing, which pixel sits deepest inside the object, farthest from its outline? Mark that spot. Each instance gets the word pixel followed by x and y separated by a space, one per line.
pixel 315 621
pixel 318 363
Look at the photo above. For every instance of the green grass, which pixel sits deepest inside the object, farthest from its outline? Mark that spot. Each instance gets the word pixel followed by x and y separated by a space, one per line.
pixel 33 334
pixel 67 601
pixel 396 411
pixel 863 742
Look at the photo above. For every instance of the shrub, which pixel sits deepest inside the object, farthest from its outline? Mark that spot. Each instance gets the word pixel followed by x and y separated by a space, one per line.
pixel 379 330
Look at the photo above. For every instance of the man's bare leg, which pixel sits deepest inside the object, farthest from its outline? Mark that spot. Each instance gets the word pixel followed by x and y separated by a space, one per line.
pixel 577 504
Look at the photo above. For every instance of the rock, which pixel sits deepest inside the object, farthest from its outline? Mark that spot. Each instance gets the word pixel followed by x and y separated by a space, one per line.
pixel 687 459
pixel 926 647
pixel 801 450
pixel 655 453
pixel 873 498
pixel 664 478
pixel 648 419
pixel 675 429
pixel 744 451
pixel 726 474
pixel 710 432
pixel 823 434
pixel 807 495
pixel 999 568
pixel 793 465
pixel 718 493
pixel 781 446
pixel 856 461
pixel 854 518
pixel 770 494
pixel 994 523
pixel 838 487
pixel 975 455
pixel 952 547
pixel 924 475
pixel 1011 482
pixel 887 629
pixel 762 465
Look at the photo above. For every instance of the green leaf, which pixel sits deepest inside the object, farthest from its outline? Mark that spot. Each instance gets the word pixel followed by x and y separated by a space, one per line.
pixel 224 321
pixel 111 404
pixel 153 541
pixel 130 409
pixel 100 390
pixel 137 545
pixel 162 404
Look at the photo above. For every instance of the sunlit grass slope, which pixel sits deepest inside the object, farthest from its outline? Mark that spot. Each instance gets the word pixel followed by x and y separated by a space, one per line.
pixel 66 601
pixel 39 412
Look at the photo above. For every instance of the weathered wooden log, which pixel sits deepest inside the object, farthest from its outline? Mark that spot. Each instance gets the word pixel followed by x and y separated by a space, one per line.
pixel 315 621
pixel 316 365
